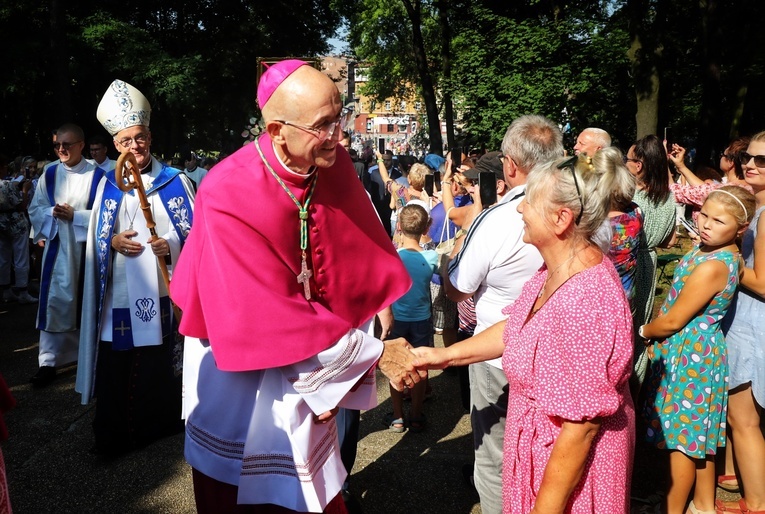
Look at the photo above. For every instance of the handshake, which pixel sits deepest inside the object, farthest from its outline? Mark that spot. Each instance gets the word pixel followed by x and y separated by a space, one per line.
pixel 405 366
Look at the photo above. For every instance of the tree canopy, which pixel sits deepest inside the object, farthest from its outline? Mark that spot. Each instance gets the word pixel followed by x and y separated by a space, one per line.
pixel 195 61
pixel 631 67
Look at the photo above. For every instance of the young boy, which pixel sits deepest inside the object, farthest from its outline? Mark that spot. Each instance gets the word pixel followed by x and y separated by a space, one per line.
pixel 411 312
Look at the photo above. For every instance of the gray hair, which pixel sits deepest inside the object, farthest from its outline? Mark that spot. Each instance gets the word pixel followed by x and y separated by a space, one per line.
pixel 624 182
pixel 552 184
pixel 601 137
pixel 531 140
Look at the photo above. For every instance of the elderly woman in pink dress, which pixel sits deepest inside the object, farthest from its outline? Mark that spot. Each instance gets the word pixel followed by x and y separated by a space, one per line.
pixel 566 349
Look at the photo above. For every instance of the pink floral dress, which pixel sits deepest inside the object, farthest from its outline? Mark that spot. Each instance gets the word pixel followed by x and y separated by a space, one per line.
pixel 570 361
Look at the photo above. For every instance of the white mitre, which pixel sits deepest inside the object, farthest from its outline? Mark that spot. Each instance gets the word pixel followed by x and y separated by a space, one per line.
pixel 123 106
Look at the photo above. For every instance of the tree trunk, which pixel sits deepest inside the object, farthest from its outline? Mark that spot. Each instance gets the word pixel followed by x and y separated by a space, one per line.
pixel 644 54
pixel 711 131
pixel 446 65
pixel 426 80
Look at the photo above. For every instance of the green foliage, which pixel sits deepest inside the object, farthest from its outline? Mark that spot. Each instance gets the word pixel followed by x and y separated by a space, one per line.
pixel 195 61
pixel 569 61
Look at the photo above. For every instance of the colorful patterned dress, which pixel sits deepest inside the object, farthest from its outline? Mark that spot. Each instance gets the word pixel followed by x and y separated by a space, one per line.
pixel 624 246
pixel 688 376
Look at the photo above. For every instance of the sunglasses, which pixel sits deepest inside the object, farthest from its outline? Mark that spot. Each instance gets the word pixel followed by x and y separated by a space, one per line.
pixel 759 160
pixel 65 146
pixel 570 164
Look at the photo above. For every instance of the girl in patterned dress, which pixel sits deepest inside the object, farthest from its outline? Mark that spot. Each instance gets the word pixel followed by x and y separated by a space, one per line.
pixel 688 377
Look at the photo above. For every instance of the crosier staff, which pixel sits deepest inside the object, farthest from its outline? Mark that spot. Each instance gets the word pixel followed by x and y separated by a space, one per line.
pixel 128 178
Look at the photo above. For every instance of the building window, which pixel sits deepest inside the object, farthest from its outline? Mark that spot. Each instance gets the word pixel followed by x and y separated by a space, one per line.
pixel 390 128
pixel 403 105
pixel 387 105
pixel 417 106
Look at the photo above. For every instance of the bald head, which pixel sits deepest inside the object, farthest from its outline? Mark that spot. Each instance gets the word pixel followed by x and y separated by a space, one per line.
pixel 296 96
pixel 591 140
pixel 303 120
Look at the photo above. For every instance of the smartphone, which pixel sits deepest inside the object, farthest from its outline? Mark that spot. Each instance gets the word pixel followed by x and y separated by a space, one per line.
pixel 689 226
pixel 437 177
pixel 456 158
pixel 487 186
pixel 429 184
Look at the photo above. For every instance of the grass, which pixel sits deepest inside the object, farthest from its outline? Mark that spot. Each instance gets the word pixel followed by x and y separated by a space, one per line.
pixel 680 248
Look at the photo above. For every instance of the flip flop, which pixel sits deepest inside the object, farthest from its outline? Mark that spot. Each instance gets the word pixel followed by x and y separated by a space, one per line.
pixel 730 487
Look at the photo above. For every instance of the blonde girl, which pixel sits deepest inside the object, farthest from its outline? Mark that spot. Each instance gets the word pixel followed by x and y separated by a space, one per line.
pixel 688 375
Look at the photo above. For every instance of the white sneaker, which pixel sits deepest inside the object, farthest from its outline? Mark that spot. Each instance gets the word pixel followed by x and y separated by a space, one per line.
pixel 25 297
pixel 9 296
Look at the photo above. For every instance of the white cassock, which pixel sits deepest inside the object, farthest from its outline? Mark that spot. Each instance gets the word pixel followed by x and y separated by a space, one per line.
pixel 256 429
pixel 120 293
pixel 60 282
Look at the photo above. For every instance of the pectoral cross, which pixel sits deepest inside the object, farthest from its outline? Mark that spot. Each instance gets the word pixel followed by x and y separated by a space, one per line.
pixel 122 328
pixel 304 278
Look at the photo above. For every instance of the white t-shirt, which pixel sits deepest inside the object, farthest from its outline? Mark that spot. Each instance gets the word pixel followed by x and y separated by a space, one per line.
pixel 494 262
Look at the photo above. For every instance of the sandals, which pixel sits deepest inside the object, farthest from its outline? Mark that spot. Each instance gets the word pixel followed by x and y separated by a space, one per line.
pixel 394 424
pixel 417 424
pixel 720 508
pixel 730 487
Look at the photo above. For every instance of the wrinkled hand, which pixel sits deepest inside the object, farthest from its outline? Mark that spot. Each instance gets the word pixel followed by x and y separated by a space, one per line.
pixel 397 363
pixel 124 244
pixel 160 247
pixel 430 358
pixel 63 212
pixel 325 417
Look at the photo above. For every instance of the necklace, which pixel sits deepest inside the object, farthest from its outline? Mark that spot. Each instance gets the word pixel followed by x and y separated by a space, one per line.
pixel 129 218
pixel 305 273
pixel 551 273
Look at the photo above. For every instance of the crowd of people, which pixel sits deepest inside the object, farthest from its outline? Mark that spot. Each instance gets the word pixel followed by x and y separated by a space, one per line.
pixel 537 268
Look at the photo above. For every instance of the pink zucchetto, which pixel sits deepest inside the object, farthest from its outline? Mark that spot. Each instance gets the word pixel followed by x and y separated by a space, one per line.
pixel 273 77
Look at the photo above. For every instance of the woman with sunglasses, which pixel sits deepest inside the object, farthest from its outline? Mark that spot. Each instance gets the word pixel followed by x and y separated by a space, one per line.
pixel 647 161
pixel 566 349
pixel 744 334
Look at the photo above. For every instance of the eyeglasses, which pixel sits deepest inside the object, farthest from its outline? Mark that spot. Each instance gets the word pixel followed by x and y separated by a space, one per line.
pixel 570 164
pixel 503 157
pixel 627 159
pixel 30 168
pixel 730 156
pixel 759 160
pixel 322 132
pixel 65 146
pixel 139 140
pixel 97 149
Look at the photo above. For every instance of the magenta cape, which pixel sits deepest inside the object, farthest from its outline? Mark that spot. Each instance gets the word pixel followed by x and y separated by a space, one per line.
pixel 236 279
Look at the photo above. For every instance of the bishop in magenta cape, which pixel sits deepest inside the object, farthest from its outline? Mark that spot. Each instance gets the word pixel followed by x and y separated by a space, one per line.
pixel 236 279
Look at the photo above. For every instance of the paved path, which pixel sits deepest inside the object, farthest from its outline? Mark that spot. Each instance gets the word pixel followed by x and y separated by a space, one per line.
pixel 50 469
